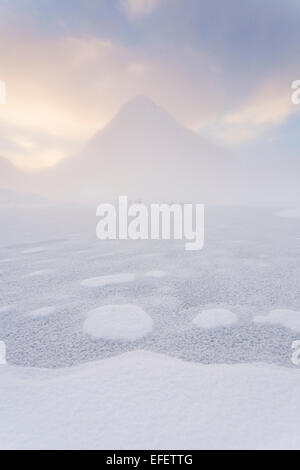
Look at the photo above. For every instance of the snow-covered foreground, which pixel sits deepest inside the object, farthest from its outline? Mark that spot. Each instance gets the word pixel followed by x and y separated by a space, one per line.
pixel 142 400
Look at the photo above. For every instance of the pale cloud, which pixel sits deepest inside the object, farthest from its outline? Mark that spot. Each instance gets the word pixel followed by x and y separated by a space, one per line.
pixel 139 8
pixel 266 108
pixel 63 87
pixel 138 68
pixel 61 90
pixel 270 106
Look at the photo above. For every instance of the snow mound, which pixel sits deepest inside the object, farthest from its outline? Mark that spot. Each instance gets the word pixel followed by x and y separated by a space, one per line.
pixel 37 249
pixel 143 400
pixel 118 322
pixel 287 318
pixel 42 272
pixel 107 280
pixel 42 312
pixel 157 274
pixel 214 318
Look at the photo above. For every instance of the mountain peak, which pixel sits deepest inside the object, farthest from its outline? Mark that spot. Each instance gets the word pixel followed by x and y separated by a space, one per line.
pixel 140 102
pixel 142 107
pixel 142 111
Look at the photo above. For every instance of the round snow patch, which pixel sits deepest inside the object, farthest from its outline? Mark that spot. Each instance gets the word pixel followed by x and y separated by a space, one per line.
pixel 157 274
pixel 214 318
pixel 118 322
pixel 37 249
pixel 42 312
pixel 42 272
pixel 106 280
pixel 287 318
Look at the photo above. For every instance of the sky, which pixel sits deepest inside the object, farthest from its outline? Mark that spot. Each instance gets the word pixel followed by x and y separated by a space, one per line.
pixel 223 69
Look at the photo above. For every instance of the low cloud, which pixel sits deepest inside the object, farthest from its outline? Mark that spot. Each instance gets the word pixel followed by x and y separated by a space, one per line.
pixel 215 74
pixel 269 106
pixel 61 90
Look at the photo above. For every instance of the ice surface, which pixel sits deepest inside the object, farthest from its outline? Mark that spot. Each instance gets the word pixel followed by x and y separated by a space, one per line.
pixel 259 274
pixel 215 317
pixel 287 318
pixel 124 322
pixel 142 400
pixel 111 279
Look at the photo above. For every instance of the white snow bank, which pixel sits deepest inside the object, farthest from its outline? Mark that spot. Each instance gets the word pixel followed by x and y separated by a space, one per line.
pixel 287 318
pixel 42 272
pixel 125 322
pixel 157 274
pixel 293 213
pixel 142 400
pixel 106 280
pixel 37 249
pixel 214 318
pixel 42 312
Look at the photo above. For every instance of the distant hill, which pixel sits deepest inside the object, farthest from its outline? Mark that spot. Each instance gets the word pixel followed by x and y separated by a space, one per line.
pixel 9 198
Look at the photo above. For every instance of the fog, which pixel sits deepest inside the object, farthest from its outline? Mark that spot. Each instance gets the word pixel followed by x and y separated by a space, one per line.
pixel 145 154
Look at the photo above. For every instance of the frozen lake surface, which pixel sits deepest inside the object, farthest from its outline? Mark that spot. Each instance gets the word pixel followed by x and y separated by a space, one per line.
pixel 54 271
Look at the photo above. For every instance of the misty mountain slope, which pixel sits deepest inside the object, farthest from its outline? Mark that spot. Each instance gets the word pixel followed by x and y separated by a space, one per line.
pixel 10 176
pixel 144 153
pixel 19 188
